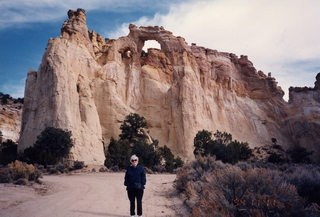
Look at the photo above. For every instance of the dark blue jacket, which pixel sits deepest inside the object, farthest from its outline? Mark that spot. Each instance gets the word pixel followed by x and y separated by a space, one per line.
pixel 135 178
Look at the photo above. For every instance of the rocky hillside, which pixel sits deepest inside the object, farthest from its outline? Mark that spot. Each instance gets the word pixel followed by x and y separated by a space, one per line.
pixel 10 117
pixel 88 84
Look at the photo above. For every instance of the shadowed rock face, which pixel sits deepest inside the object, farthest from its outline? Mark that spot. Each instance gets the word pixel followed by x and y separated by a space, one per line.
pixel 88 84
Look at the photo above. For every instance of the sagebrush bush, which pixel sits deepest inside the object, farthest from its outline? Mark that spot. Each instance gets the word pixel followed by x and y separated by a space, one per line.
pixel 6 175
pixel 77 165
pixel 212 188
pixel 19 170
pixel 306 178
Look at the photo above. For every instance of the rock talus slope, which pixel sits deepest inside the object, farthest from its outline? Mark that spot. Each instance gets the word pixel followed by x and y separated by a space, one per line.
pixel 88 84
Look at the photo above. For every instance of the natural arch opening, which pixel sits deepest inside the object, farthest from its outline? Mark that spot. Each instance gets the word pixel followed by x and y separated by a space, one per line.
pixel 149 44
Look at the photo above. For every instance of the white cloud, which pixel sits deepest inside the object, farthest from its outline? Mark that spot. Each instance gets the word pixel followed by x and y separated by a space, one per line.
pixel 20 12
pixel 281 36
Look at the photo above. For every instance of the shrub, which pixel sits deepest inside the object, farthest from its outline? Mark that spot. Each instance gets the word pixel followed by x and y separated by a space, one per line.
pixel 77 165
pixel 8 152
pixel 19 170
pixel 5 98
pixel 222 147
pixel 52 146
pixel 147 154
pixel 135 140
pixel 6 175
pixel 171 163
pixel 132 128
pixel 115 169
pixel 62 167
pixel 118 154
pixel 178 162
pixel 202 143
pixel 103 169
pixel 306 178
pixel 275 158
pixel 299 154
pixel 212 188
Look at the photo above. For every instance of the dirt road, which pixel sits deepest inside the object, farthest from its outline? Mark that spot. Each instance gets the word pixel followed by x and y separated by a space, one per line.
pixel 88 194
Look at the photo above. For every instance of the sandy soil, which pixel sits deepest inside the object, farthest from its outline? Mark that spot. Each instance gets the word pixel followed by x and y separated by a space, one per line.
pixel 88 194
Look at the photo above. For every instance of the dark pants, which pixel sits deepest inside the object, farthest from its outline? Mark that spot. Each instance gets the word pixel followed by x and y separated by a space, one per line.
pixel 132 195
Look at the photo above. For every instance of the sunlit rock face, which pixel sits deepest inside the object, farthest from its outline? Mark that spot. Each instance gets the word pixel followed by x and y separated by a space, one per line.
pixel 88 84
pixel 10 120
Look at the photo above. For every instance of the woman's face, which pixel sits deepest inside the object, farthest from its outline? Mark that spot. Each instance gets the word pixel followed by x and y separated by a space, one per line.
pixel 134 162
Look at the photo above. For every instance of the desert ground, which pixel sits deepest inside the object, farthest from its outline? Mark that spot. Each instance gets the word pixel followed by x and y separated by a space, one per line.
pixel 88 194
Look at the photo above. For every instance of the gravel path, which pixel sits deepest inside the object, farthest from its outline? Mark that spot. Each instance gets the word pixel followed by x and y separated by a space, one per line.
pixel 88 194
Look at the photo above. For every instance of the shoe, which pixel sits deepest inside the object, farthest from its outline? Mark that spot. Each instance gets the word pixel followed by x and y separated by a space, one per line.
pixel 132 216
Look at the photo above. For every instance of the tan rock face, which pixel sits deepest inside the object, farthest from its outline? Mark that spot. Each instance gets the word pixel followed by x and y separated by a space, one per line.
pixel 10 120
pixel 88 85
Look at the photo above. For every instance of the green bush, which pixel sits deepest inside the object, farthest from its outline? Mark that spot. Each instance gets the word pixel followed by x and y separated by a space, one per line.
pixel 171 163
pixel 275 158
pixel 134 140
pixel 222 147
pixel 6 175
pixel 133 128
pixel 8 152
pixel 5 98
pixel 52 146
pixel 299 154
pixel 77 165
pixel 147 154
pixel 118 154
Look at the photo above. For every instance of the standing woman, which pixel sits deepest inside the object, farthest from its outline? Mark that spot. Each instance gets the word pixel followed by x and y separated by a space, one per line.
pixel 135 180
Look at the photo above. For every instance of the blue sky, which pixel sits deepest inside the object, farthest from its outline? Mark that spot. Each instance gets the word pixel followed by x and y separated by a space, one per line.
pixel 279 36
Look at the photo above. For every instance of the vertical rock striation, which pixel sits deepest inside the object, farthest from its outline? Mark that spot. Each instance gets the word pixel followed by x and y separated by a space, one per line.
pixel 88 84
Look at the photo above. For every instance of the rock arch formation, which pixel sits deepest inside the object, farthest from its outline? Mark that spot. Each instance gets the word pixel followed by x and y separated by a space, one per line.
pixel 88 84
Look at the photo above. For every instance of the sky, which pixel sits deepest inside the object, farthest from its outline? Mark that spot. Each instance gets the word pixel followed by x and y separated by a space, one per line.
pixel 278 36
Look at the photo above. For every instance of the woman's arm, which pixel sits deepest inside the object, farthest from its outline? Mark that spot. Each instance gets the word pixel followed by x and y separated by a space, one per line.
pixel 143 177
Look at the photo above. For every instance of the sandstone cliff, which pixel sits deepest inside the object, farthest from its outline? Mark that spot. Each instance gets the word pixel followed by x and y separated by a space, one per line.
pixel 88 84
pixel 10 117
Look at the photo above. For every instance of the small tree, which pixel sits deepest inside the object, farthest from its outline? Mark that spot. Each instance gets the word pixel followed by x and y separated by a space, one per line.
pixel 133 140
pixel 202 143
pixel 148 156
pixel 299 154
pixel 275 158
pixel 8 152
pixel 133 128
pixel 52 146
pixel 222 147
pixel 118 154
pixel 168 157
pixel 223 137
